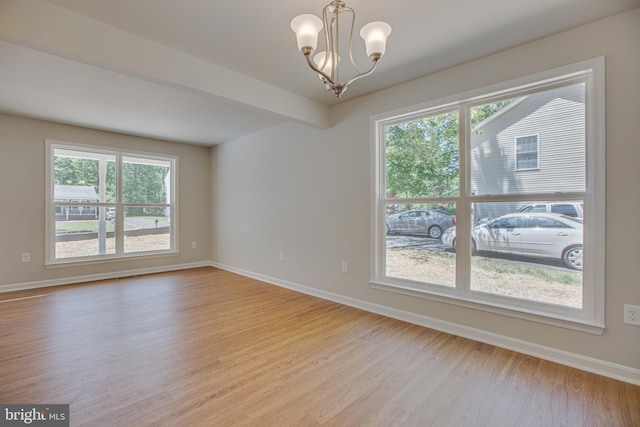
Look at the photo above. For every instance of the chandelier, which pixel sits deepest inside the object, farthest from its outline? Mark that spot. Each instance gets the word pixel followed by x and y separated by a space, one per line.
pixel 327 63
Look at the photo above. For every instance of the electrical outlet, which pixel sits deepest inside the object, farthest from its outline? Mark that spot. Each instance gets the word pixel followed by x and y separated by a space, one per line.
pixel 26 257
pixel 282 256
pixel 632 314
pixel 345 267
pixel 194 244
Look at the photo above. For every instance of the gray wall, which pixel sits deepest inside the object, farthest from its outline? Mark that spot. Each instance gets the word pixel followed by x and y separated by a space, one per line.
pixel 307 192
pixel 22 215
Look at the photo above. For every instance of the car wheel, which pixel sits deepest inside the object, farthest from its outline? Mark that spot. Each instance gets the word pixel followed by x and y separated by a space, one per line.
pixel 474 248
pixel 572 257
pixel 388 229
pixel 435 232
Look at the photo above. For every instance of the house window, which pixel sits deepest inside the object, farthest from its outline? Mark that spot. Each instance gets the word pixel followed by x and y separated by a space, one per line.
pixel 527 152
pixel 455 221
pixel 104 203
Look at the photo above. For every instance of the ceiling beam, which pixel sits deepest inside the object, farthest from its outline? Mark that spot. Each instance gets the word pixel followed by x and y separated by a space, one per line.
pixel 52 29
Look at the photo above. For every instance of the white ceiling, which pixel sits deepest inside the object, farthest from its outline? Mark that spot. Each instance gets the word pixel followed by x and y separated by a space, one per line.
pixel 208 71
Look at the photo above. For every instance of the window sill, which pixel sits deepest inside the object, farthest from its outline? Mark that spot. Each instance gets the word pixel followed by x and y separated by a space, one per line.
pixel 529 314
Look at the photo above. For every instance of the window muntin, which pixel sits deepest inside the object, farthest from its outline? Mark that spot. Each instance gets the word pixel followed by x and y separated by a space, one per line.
pixel 108 204
pixel 579 91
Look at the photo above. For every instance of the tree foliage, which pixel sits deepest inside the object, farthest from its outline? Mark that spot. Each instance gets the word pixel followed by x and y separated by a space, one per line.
pixel 84 172
pixel 141 183
pixel 481 112
pixel 423 157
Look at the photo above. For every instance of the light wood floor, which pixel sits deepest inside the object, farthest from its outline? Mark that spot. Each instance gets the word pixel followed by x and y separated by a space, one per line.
pixel 206 347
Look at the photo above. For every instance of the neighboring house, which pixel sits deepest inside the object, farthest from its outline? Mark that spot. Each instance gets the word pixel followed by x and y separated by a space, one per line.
pixel 75 194
pixel 536 144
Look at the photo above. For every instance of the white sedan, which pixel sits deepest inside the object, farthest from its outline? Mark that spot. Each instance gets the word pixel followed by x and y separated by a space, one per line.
pixel 545 235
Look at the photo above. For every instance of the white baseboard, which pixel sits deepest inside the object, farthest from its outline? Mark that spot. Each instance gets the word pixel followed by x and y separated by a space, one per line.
pixel 102 276
pixel 585 363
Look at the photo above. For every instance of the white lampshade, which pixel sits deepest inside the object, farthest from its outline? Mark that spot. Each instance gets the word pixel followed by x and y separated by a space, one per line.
pixel 375 37
pixel 307 27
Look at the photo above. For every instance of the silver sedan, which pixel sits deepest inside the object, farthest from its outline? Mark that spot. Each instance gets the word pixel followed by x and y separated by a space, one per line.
pixel 420 221
pixel 544 235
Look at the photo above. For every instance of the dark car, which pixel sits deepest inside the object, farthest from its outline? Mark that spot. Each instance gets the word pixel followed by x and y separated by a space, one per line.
pixel 421 221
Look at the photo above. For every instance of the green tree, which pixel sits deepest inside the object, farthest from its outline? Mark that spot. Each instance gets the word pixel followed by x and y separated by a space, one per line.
pixel 84 172
pixel 481 112
pixel 143 183
pixel 423 157
pixel 74 171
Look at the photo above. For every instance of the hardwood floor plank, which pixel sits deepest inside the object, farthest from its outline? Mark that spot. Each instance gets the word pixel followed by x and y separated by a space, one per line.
pixel 206 347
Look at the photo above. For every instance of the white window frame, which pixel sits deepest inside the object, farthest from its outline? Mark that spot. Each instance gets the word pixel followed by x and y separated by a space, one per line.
pixel 537 167
pixel 590 318
pixel 50 208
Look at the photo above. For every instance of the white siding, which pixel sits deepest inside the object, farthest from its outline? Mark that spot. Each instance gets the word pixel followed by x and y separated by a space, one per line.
pixel 557 117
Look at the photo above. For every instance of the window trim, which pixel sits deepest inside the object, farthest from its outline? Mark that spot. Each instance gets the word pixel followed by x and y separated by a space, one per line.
pixel 515 152
pixel 50 204
pixel 591 317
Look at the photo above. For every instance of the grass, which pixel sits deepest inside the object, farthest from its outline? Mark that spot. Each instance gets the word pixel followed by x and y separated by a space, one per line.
pixel 489 275
pixel 90 247
pixel 542 273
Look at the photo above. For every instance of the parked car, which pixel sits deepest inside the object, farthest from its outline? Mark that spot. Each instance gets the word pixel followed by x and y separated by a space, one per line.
pixel 573 209
pixel 545 235
pixel 110 214
pixel 420 221
pixel 449 237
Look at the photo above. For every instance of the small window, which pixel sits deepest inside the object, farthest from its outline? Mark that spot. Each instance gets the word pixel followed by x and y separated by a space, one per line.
pixel 527 152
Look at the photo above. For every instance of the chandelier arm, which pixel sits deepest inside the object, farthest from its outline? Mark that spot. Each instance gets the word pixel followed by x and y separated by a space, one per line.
pixel 317 70
pixel 366 73
pixel 325 20
pixel 335 48
pixel 353 24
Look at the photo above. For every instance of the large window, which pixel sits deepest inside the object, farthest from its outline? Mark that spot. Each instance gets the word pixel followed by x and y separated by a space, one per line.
pixel 108 204
pixel 464 215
